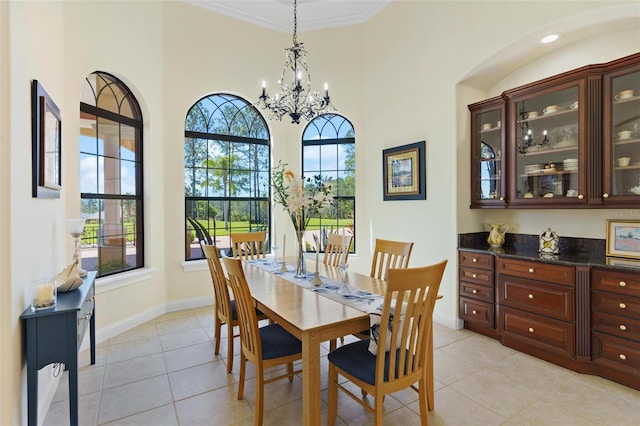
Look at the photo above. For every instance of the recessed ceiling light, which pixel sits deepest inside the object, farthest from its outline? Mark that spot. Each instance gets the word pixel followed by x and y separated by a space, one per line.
pixel 550 38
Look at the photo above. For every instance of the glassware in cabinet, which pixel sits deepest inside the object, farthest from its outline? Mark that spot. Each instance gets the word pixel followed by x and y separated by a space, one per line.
pixel 622 135
pixel 488 187
pixel 548 165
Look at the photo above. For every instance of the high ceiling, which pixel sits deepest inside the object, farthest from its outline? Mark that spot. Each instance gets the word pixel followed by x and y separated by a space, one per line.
pixel 312 14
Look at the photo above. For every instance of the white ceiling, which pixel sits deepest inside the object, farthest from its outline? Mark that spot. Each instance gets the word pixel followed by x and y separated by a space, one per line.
pixel 312 14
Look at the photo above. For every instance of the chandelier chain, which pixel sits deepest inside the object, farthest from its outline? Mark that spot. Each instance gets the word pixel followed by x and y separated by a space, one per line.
pixel 295 22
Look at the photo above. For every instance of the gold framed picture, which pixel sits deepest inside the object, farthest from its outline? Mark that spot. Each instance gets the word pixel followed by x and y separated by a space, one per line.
pixel 404 174
pixel 623 238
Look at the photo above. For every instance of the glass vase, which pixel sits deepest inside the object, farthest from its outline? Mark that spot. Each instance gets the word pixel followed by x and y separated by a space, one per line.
pixel 301 267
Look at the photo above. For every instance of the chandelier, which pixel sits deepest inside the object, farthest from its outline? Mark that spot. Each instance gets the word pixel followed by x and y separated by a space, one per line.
pixel 296 99
pixel 528 140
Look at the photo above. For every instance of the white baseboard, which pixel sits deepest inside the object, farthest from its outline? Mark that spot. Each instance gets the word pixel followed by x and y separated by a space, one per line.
pixel 125 324
pixel 448 321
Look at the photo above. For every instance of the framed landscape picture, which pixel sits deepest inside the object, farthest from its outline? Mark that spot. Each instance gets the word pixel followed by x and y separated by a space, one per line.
pixel 403 171
pixel 623 238
pixel 46 135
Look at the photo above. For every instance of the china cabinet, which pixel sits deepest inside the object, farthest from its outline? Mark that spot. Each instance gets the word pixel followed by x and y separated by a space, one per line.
pixel 568 141
pixel 547 144
pixel 487 148
pixel 622 133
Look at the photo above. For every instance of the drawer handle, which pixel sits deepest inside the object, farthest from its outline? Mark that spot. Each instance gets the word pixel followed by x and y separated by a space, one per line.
pixel 623 327
pixel 531 330
pixel 623 284
pixel 474 260
pixel 474 312
pixel 623 305
pixel 474 291
pixel 623 357
pixel 531 270
pixel 474 275
pixel 530 296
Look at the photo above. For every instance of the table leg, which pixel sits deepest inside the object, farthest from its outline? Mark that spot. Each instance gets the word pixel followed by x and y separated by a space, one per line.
pixel 311 402
pixel 73 389
pixel 92 336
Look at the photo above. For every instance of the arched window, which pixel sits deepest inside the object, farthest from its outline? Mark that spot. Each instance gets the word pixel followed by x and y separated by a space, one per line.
pixel 226 171
pixel 111 176
pixel 328 150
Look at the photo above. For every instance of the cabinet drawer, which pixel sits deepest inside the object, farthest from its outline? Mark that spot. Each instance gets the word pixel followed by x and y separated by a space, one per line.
pixel 615 304
pixel 557 274
pixel 627 328
pixel 478 276
pixel 476 260
pixel 616 352
pixel 540 331
pixel 84 316
pixel 536 297
pixel 476 291
pixel 476 311
pixel 616 281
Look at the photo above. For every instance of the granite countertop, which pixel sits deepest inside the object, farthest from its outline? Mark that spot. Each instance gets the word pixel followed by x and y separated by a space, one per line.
pixel 573 251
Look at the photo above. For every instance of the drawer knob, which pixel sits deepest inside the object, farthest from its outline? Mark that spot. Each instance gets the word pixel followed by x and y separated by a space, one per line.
pixel 623 305
pixel 474 312
pixel 531 296
pixel 623 284
pixel 474 291
pixel 605 195
pixel 474 260
pixel 531 270
pixel 623 357
pixel 623 327
pixel 474 275
pixel 580 197
pixel 531 330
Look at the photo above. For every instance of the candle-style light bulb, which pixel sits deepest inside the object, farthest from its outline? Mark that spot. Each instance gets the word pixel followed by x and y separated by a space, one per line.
pixel 326 89
pixel 264 88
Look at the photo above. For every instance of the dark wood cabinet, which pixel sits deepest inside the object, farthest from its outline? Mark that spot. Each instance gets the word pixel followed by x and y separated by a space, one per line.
pixel 568 141
pixel 477 292
pixel 615 321
pixel 536 303
pixel 583 317
pixel 488 162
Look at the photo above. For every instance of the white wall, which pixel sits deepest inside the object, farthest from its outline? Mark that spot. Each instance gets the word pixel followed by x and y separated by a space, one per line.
pixel 397 78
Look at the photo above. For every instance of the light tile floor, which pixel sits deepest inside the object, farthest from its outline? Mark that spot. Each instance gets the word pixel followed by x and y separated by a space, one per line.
pixel 164 372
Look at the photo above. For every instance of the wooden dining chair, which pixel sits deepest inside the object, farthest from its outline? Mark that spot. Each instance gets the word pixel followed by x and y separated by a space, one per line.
pixel 225 309
pixel 249 245
pixel 389 254
pixel 411 292
pixel 336 249
pixel 265 347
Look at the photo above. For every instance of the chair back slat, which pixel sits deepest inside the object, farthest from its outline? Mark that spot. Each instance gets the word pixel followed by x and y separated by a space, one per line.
pixel 248 245
pixel 389 255
pixel 411 292
pixel 337 249
pixel 247 318
pixel 220 288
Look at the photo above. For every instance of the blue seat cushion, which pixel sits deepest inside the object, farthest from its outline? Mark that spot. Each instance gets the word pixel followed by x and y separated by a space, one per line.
pixel 234 312
pixel 277 342
pixel 356 360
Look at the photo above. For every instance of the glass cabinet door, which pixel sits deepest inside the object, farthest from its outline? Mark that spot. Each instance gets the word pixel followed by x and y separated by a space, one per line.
pixel 487 165
pixel 622 136
pixel 548 167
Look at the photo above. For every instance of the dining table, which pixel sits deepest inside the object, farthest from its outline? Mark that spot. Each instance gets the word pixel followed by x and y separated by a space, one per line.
pixel 304 311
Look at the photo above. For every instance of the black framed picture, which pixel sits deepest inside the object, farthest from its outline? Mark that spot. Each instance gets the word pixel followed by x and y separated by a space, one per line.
pixel 46 135
pixel 404 173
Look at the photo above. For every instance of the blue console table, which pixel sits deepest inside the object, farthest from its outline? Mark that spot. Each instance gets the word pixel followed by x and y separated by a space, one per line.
pixel 54 335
